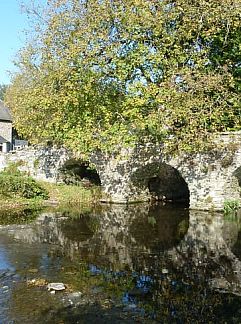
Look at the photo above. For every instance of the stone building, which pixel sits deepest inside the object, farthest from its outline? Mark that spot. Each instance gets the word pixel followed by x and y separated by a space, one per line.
pixel 5 129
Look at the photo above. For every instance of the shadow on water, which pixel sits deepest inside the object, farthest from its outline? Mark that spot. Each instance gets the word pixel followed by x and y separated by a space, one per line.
pixel 146 263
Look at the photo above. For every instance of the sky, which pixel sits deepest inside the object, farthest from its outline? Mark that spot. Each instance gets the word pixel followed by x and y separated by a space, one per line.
pixel 13 23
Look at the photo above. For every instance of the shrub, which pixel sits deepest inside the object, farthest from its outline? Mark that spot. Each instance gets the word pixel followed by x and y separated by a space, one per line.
pixel 13 183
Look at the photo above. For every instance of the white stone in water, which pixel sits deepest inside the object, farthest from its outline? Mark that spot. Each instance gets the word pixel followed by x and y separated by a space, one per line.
pixel 165 271
pixel 56 286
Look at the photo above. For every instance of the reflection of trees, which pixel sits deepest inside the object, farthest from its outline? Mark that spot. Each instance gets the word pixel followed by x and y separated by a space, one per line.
pixel 18 216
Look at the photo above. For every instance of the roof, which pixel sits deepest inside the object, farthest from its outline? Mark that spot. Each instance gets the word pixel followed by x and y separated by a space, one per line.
pixel 5 113
pixel 3 140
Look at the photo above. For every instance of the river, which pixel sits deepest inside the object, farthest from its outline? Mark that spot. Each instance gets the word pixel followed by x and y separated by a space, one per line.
pixel 120 264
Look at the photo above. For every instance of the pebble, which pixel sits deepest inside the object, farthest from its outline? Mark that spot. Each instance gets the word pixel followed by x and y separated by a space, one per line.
pixel 33 270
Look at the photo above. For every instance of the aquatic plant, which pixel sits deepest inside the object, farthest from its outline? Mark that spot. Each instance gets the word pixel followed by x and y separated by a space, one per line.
pixel 231 207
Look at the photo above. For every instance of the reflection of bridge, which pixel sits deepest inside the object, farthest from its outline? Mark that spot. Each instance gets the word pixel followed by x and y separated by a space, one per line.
pixel 127 238
pixel 208 246
pixel 144 172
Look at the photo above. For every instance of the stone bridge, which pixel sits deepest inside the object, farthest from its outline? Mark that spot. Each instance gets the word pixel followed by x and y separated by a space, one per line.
pixel 204 181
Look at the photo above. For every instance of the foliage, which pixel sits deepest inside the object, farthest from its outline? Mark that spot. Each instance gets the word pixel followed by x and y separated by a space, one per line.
pixel 231 207
pixel 101 73
pixel 3 89
pixel 13 183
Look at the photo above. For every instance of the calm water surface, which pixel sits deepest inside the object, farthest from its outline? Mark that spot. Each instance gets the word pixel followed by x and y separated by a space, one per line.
pixel 135 264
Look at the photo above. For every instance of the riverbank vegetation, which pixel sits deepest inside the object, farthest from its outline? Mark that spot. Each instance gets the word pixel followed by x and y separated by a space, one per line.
pixel 19 191
pixel 71 195
pixel 15 184
pixel 101 73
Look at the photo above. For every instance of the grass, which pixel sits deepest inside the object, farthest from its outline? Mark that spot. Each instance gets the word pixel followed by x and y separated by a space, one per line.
pixel 71 195
pixel 22 197
pixel 60 195
pixel 18 210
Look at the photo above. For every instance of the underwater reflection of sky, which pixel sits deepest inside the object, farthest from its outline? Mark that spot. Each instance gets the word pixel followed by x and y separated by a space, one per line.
pixel 4 262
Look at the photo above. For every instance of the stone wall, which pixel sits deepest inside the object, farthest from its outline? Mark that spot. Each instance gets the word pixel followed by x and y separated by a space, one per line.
pixel 42 163
pixel 143 173
pixel 211 178
pixel 6 130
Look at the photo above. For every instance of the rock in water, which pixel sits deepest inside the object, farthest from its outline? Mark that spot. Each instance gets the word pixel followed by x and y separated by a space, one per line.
pixel 56 286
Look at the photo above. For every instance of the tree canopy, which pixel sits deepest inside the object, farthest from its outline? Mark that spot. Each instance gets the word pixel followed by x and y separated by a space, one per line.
pixel 100 73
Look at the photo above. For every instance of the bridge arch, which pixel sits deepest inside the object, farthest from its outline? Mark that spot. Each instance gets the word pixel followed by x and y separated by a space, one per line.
pixel 74 171
pixel 162 182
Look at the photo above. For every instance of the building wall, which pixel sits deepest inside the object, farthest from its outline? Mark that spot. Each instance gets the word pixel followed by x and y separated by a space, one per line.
pixel 6 130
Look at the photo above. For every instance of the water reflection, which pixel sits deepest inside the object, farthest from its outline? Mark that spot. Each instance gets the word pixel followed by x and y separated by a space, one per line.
pixel 159 261
pixel 112 237
pixel 207 249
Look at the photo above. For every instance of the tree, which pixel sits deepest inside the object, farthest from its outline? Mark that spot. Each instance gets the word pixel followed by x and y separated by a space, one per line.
pixel 3 88
pixel 101 73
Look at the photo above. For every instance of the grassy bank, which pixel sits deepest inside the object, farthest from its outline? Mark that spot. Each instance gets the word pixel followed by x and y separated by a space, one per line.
pixel 64 195
pixel 18 191
pixel 58 195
